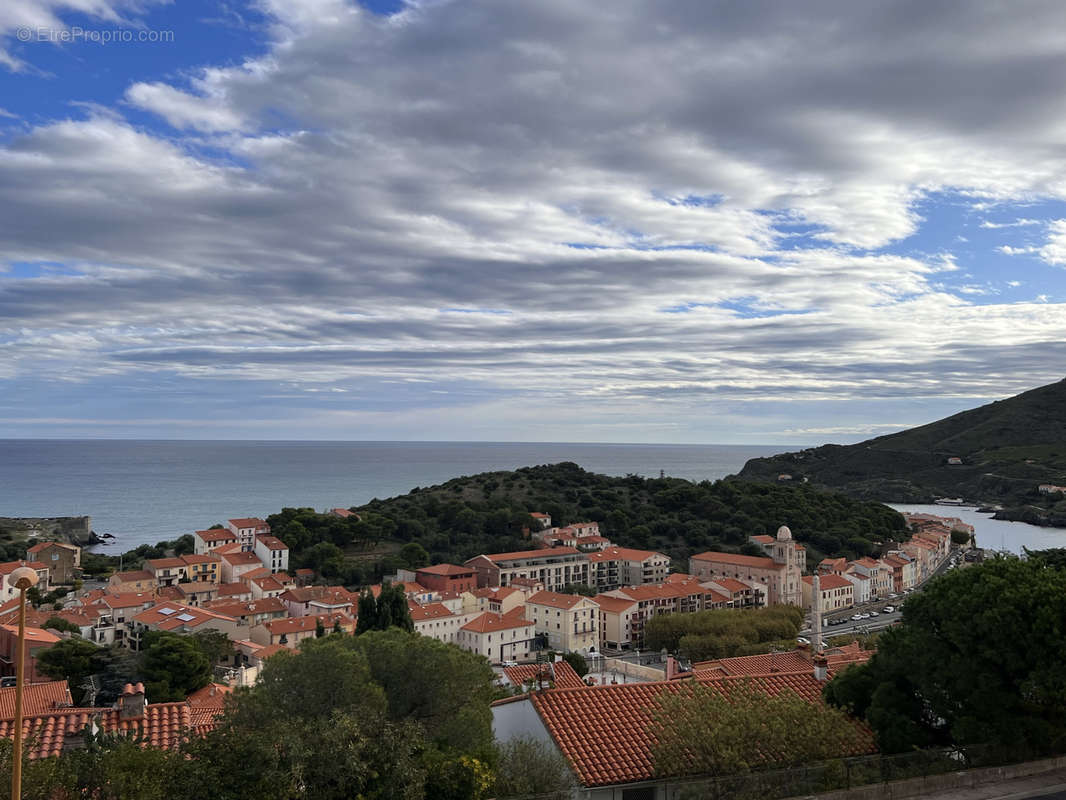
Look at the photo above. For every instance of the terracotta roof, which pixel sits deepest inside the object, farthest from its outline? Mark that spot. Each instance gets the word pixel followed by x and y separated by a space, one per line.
pixel 263 653
pixel 732 584
pixel 763 539
pixel 200 558
pixel 829 581
pixel 37 698
pixel 604 731
pixel 445 569
pixel 271 542
pixel 162 725
pixel 498 593
pixel 558 672
pixel 341 512
pixel 305 571
pixel 268 605
pixel 538 515
pixel 10 566
pixel 519 555
pixel 127 599
pixel 165 563
pixel 332 595
pixel 37 548
pixel 134 576
pixel 427 611
pixel 530 582
pixel 555 599
pixel 762 562
pixel 241 558
pixel 624 554
pixel 308 623
pixel 193 587
pixel 171 616
pixel 217 535
pixel 490 622
pixel 613 604
pixel 767 663
pixel 248 522
pixel 235 588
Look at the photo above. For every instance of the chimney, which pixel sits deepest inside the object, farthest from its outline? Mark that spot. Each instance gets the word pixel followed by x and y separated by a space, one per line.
pixel 821 668
pixel 132 702
pixel 671 668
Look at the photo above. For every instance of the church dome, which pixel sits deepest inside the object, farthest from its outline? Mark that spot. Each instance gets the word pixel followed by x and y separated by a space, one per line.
pixel 784 534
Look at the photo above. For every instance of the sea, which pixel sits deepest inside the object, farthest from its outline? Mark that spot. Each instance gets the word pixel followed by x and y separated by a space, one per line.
pixel 142 491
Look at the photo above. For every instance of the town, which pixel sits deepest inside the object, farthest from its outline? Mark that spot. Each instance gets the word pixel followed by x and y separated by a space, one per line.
pixel 528 613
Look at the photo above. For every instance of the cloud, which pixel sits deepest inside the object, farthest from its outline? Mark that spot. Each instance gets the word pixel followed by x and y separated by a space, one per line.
pixel 1054 251
pixel 501 205
pixel 1006 249
pixel 1016 224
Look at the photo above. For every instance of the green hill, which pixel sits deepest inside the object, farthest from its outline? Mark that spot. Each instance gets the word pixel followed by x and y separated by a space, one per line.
pixel 1006 448
pixel 486 513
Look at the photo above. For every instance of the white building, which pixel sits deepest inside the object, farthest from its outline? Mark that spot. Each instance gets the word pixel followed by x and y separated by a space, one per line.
pixel 273 552
pixel 498 638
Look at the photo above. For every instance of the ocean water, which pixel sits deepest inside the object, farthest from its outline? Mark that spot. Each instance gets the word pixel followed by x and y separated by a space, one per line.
pixel 146 491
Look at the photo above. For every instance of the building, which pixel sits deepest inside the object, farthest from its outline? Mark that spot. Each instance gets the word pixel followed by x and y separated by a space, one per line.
pixel 177 618
pixel 140 580
pixel 234 565
pixel 38 698
pixel 780 572
pixel 272 552
pixel 545 520
pixel 447 578
pixel 252 613
pixel 246 529
pixel 569 621
pixel 208 541
pixel 555 567
pixel 616 617
pixel 498 637
pixel 837 593
pixel 7 589
pixel 437 621
pixel 683 596
pixel 293 630
pixel 63 560
pixel 318 600
pixel 623 566
pixel 37 640
pixel 170 571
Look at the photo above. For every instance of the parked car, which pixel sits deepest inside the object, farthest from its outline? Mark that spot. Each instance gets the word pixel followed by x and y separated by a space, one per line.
pixel 888 609
pixel 874 614
pixel 803 640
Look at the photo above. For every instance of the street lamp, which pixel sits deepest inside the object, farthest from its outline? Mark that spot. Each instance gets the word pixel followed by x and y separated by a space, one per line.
pixel 22 579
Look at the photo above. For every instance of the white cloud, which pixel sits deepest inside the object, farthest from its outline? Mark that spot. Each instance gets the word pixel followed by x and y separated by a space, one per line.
pixel 1016 224
pixel 1054 251
pixel 1006 249
pixel 579 170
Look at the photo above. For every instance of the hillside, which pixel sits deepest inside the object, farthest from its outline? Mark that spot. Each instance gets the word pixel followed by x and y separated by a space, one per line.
pixel 1007 449
pixel 486 513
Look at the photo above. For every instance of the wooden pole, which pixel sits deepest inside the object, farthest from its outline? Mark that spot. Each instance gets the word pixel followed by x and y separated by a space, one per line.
pixel 20 678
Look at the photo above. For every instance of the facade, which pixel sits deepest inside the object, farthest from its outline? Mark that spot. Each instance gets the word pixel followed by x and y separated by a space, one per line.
pixel 837 593
pixel 498 638
pixel 177 618
pixel 234 565
pixel 318 600
pixel 437 621
pixel 613 567
pixel 272 552
pixel 137 581
pixel 555 567
pixel 246 529
pixel 8 591
pixel 447 578
pixel 37 640
pixel 616 621
pixel 63 560
pixel 780 572
pixel 570 621
pixel 293 630
pixel 208 541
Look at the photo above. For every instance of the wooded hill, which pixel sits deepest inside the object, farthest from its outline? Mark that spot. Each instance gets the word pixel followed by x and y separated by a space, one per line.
pixel 1007 448
pixel 486 513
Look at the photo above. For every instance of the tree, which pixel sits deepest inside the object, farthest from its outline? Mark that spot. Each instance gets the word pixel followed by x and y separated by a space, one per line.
pixel 960 537
pixel 414 555
pixel 529 766
pixel 578 662
pixel 579 588
pixel 320 629
pixel 735 727
pixel 70 660
pixel 215 645
pixel 977 659
pixel 60 624
pixel 173 667
pixel 388 609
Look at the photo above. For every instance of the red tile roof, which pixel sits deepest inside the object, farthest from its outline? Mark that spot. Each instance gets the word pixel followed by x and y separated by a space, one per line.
pixel 558 672
pixel 217 535
pixel 37 698
pixel 37 548
pixel 241 558
pixel 165 563
pixel 732 584
pixel 134 576
pixel 829 582
pixel 605 731
pixel 248 522
pixel 622 554
pixel 427 611
pixel 308 623
pixel 519 555
pixel 272 542
pixel 614 604
pixel 490 622
pixel 445 569
pixel 200 558
pixel 762 562
pixel 555 599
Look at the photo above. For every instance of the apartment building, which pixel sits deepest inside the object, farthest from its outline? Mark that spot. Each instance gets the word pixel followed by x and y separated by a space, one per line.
pixel 570 621
pixel 555 567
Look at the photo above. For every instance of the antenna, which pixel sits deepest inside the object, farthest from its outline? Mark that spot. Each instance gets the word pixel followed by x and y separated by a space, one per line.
pixel 816 611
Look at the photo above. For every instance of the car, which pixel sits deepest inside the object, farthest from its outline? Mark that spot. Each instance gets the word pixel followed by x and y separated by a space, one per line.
pixel 892 596
pixel 803 640
pixel 888 609
pixel 864 616
pixel 508 663
pixel 856 616
pixel 874 614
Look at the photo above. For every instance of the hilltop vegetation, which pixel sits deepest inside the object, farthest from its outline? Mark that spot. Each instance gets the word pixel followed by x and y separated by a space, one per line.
pixel 486 513
pixel 1007 448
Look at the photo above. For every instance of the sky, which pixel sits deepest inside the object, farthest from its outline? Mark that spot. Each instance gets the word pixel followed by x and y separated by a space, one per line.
pixel 692 222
